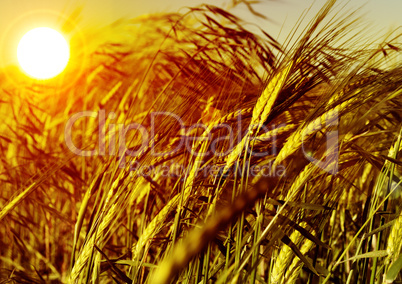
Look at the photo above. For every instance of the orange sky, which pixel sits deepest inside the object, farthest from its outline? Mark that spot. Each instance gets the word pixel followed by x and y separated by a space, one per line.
pixel 19 16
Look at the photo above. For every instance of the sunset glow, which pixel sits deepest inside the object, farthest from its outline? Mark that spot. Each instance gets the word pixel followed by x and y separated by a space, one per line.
pixel 201 141
pixel 43 53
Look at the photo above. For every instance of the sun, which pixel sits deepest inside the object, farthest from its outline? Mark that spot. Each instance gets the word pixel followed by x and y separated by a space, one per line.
pixel 43 53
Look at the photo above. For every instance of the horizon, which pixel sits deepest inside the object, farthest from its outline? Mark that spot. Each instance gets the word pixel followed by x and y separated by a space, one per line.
pixel 21 16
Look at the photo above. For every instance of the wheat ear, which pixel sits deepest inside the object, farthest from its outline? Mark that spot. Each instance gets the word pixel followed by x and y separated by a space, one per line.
pixel 294 269
pixel 112 211
pixel 394 244
pixel 261 111
pixel 295 141
pixel 153 227
pixel 285 257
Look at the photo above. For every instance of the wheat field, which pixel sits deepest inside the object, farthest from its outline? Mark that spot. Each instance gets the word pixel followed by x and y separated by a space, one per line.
pixel 185 148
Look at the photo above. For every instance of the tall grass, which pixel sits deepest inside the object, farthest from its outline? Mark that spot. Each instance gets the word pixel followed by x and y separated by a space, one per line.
pixel 307 191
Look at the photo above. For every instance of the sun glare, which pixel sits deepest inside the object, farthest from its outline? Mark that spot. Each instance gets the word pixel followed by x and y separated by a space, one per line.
pixel 43 53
